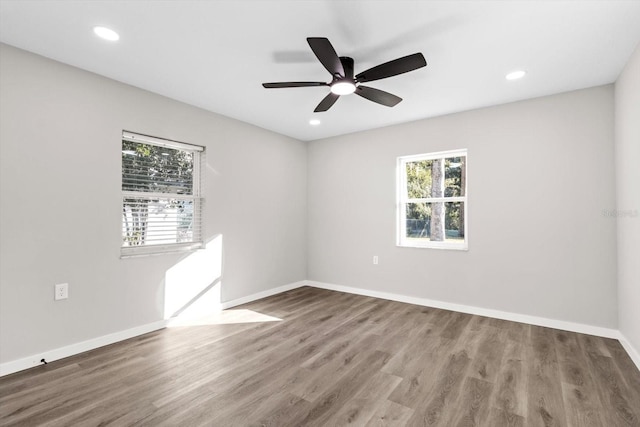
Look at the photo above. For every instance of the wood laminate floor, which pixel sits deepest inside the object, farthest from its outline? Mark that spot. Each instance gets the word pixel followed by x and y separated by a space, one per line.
pixel 335 359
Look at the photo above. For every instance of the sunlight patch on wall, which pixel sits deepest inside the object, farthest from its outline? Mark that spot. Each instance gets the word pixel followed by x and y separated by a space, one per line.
pixel 192 286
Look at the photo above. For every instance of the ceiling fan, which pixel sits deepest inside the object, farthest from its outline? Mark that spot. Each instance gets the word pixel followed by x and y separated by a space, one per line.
pixel 344 82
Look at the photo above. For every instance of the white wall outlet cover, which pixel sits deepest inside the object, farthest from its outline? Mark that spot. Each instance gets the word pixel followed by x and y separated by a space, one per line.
pixel 61 291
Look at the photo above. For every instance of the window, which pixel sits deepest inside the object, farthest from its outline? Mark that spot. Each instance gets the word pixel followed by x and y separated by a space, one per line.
pixel 162 201
pixel 432 200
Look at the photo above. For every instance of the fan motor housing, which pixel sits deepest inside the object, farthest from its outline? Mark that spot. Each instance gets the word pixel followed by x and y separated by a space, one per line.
pixel 347 64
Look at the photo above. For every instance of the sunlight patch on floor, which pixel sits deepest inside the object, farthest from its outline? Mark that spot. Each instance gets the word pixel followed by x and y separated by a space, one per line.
pixel 226 317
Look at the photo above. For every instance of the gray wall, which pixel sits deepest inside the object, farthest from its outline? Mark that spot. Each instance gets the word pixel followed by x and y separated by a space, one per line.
pixel 627 157
pixel 540 173
pixel 60 199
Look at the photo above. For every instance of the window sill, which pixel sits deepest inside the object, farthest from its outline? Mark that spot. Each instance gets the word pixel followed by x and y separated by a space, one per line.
pixel 136 252
pixel 445 246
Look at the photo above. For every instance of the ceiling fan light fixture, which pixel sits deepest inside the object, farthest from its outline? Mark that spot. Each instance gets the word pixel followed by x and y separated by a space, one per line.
pixel 343 88
pixel 343 82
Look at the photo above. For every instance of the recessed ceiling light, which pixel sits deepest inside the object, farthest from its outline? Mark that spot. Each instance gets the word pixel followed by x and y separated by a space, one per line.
pixel 314 122
pixel 515 75
pixel 106 33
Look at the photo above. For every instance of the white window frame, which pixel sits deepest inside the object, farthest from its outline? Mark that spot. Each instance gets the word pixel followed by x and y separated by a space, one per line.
pixel 197 197
pixel 403 199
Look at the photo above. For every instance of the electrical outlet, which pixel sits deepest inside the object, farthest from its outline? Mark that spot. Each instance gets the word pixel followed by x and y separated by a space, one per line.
pixel 61 291
pixel 375 259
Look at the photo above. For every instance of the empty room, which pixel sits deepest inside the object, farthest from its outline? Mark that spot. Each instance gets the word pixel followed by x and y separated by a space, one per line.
pixel 319 213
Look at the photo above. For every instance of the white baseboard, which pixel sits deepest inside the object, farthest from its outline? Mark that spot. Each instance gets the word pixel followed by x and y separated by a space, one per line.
pixel 263 294
pixel 631 351
pixel 73 349
pixel 504 315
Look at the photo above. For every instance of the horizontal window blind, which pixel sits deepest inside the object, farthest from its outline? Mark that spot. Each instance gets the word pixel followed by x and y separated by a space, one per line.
pixel 162 203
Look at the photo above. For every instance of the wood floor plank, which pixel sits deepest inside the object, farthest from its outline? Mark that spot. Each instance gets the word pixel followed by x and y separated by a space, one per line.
pixel 544 392
pixel 445 391
pixel 408 359
pixel 336 397
pixel 175 411
pixel 579 409
pixel 628 370
pixel 365 403
pixel 486 360
pixel 415 386
pixel 390 414
pixel 323 378
pixel 501 418
pixel 510 393
pixel 388 312
pixel 401 328
pixel 581 399
pixel 331 358
pixel 69 396
pixel 514 331
pixel 456 326
pixel 473 406
pixel 618 406
pixel 434 356
pixel 287 413
pixel 594 345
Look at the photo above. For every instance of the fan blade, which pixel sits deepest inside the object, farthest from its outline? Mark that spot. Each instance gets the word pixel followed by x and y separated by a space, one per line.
pixel 393 68
pixel 327 102
pixel 326 54
pixel 292 84
pixel 377 95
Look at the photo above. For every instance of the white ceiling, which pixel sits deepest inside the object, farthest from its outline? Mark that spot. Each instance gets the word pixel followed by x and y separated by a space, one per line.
pixel 216 54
